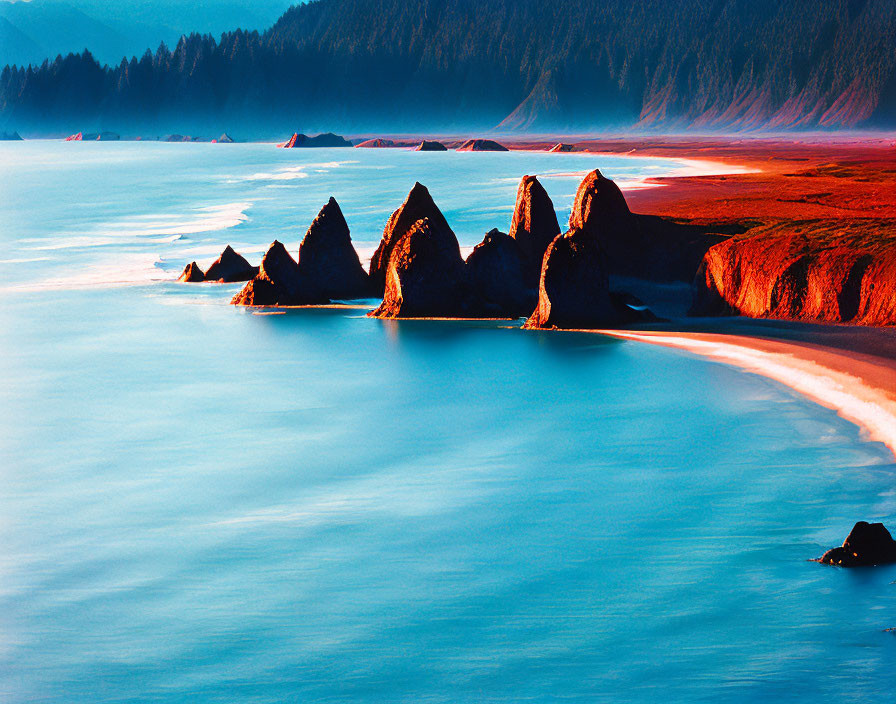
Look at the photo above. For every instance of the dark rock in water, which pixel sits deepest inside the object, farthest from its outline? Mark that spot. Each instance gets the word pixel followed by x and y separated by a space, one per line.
pixel 561 147
pixel 375 144
pixel 574 289
pixel 230 267
pixel 495 278
pixel 328 263
pixel 417 206
pixel 534 226
pixel 425 275
pixel 10 137
pixel 867 544
pixel 431 146
pixel 277 282
pixel 192 274
pixel 224 139
pixel 327 139
pixel 481 145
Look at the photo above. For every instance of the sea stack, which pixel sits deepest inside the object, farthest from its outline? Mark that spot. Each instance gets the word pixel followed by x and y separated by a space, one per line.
pixel 496 279
pixel 375 144
pixel 561 147
pixel 192 274
pixel 277 281
pixel 328 263
pixel 224 139
pixel 867 544
pixel 431 146
pixel 417 206
pixel 230 267
pixel 425 274
pixel 481 145
pixel 327 139
pixel 534 226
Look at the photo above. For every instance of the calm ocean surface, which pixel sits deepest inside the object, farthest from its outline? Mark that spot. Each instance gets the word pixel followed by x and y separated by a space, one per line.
pixel 198 504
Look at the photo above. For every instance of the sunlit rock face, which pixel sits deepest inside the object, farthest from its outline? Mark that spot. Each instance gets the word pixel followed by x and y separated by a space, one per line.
pixel 192 274
pixel 277 283
pixel 230 267
pixel 417 206
pixel 534 226
pixel 425 274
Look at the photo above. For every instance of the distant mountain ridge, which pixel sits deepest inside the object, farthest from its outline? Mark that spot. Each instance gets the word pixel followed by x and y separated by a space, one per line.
pixel 570 65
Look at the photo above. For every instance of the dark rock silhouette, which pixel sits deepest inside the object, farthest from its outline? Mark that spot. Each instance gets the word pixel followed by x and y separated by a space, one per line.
pixel 418 205
pixel 192 274
pixel 534 226
pixel 230 267
pixel 431 146
pixel 481 145
pixel 375 144
pixel 10 137
pixel 867 544
pixel 328 263
pixel 277 282
pixel 574 292
pixel 425 274
pixel 561 147
pixel 327 139
pixel 496 280
pixel 224 139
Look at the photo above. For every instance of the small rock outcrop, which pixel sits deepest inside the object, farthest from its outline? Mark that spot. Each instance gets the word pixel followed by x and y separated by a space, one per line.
pixel 375 144
pixel 192 274
pixel 224 139
pixel 230 267
pixel 481 145
pixel 425 274
pixel 561 147
pixel 496 279
pixel 277 281
pixel 328 263
pixel 430 146
pixel 574 292
pixel 867 544
pixel 534 226
pixel 417 206
pixel 327 139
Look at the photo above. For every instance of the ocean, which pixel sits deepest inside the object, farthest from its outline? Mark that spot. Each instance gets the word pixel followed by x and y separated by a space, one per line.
pixel 202 504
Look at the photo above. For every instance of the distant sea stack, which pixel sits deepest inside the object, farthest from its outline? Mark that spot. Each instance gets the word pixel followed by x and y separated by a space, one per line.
pixel 561 147
pixel 534 226
pixel 835 273
pixel 417 206
pixel 430 146
pixel 867 544
pixel 327 139
pixel 93 137
pixel 224 139
pixel 192 274
pixel 425 274
pixel 496 278
pixel 375 144
pixel 230 267
pixel 481 145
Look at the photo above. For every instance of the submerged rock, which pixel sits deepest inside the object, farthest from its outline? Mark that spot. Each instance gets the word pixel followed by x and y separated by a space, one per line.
pixel 277 281
pixel 495 278
pixel 327 139
pixel 230 267
pixel 425 274
pixel 867 544
pixel 328 263
pixel 431 146
pixel 534 226
pixel 481 145
pixel 192 274
pixel 417 206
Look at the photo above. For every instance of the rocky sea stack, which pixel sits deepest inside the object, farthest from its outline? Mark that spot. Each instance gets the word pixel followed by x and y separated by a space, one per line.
pixel 425 274
pixel 327 139
pixel 224 139
pixel 192 274
pixel 431 146
pixel 277 281
pixel 481 145
pixel 534 226
pixel 417 206
pixel 496 278
pixel 867 544
pixel 375 144
pixel 230 267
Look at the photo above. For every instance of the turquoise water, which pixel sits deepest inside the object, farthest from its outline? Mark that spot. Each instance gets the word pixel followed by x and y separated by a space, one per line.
pixel 198 504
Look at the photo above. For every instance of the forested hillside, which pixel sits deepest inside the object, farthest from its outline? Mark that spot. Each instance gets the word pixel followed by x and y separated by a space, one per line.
pixel 705 65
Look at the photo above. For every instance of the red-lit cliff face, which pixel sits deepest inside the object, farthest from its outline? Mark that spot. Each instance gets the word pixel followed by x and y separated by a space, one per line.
pixel 831 271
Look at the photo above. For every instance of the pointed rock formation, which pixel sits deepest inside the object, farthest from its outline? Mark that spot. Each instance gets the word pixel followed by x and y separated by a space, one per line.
pixel 224 139
pixel 230 267
pixel 431 146
pixel 481 145
pixel 867 544
pixel 328 263
pixel 534 226
pixel 425 274
pixel 277 281
pixel 574 289
pixel 192 274
pixel 375 144
pixel 495 278
pixel 418 205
